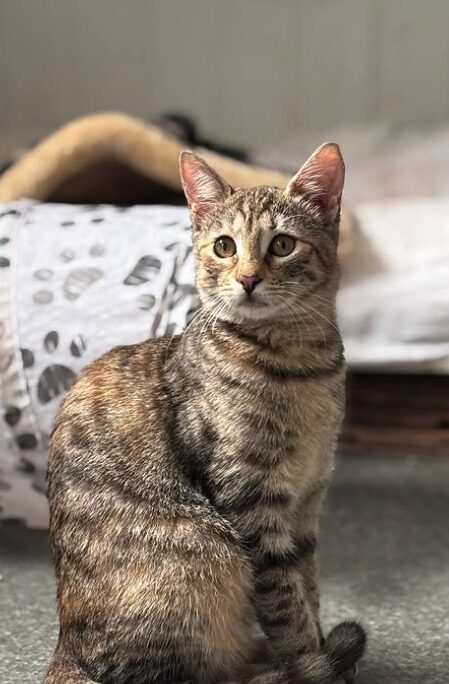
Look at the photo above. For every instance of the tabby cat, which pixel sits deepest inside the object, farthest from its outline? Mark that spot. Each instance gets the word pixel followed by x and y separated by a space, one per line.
pixel 186 475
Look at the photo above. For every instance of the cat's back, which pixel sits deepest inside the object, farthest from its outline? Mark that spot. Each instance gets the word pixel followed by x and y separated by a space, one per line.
pixel 120 403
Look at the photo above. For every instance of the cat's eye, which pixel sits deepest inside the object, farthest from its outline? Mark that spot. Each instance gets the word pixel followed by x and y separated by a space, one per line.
pixel 225 247
pixel 282 245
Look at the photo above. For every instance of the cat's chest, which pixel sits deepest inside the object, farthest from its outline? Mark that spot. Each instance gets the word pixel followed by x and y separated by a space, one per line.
pixel 280 440
pixel 280 410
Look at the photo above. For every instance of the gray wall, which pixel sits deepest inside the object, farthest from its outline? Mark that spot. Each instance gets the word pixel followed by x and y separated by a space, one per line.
pixel 250 71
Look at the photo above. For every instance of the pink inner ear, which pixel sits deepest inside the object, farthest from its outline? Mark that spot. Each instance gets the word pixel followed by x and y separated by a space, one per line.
pixel 202 186
pixel 321 178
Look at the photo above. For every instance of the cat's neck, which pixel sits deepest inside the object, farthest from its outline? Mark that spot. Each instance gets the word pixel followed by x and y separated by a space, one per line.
pixel 289 347
pixel 314 328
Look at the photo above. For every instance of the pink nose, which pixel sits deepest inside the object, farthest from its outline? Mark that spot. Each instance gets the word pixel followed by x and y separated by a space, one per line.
pixel 249 282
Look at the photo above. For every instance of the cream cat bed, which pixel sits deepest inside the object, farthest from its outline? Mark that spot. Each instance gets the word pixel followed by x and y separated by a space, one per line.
pixel 112 156
pixel 117 159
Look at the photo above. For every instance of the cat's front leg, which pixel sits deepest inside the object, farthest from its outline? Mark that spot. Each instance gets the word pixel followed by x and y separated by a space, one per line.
pixel 307 567
pixel 265 520
pixel 306 529
pixel 287 594
pixel 282 604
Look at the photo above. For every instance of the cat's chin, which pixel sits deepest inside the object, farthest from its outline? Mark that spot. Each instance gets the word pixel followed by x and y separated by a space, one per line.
pixel 252 311
pixel 246 310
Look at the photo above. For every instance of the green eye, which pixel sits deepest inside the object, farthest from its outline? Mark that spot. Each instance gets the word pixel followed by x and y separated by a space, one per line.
pixel 282 245
pixel 224 247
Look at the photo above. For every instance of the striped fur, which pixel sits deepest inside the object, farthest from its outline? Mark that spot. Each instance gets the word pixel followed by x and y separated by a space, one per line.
pixel 186 475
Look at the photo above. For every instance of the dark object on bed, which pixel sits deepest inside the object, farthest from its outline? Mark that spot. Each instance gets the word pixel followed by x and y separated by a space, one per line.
pixel 185 129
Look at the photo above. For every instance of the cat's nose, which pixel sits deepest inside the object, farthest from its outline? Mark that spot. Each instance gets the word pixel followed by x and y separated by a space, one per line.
pixel 249 282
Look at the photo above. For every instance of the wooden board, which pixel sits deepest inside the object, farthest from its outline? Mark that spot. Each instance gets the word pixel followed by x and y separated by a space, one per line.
pixel 404 414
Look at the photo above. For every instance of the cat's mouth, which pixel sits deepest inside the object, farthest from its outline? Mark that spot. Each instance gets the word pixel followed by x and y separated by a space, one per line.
pixel 251 301
pixel 246 306
pixel 252 306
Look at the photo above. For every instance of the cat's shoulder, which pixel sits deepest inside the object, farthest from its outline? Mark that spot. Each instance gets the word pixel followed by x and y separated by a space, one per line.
pixel 119 362
pixel 120 376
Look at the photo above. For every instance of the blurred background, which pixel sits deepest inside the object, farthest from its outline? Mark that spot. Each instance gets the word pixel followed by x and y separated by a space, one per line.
pixel 263 82
pixel 267 82
pixel 249 72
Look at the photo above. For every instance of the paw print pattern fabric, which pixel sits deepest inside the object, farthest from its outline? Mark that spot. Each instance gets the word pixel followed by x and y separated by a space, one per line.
pixel 76 281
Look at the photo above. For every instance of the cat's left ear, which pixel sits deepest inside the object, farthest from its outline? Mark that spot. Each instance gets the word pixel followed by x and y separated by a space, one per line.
pixel 321 180
pixel 203 187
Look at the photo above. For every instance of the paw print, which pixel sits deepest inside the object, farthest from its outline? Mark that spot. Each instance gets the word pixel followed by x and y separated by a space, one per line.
pixel 4 260
pixel 56 378
pixel 77 280
pixel 146 269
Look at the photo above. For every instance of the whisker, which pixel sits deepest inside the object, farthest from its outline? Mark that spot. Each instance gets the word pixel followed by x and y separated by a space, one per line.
pixel 307 310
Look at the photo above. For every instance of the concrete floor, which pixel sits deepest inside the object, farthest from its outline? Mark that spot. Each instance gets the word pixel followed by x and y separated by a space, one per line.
pixel 385 561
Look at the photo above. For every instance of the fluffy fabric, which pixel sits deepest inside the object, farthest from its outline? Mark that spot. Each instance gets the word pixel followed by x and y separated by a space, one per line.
pixel 74 282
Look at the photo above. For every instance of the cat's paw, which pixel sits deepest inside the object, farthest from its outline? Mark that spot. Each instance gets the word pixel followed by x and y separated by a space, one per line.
pixel 350 675
pixel 345 645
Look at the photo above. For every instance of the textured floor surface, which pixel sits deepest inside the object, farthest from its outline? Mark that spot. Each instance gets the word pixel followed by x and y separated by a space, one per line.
pixel 385 561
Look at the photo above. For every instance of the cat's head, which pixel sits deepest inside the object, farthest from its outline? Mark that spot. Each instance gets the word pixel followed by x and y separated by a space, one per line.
pixel 265 253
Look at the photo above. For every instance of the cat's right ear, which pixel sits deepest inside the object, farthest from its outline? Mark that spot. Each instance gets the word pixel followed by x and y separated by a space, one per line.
pixel 203 187
pixel 321 180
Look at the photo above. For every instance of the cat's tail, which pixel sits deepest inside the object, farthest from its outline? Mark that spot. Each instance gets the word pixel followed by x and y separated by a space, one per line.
pixel 337 657
pixel 339 654
pixel 63 670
